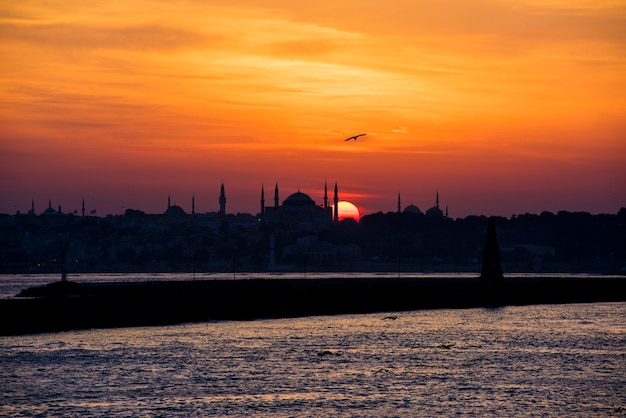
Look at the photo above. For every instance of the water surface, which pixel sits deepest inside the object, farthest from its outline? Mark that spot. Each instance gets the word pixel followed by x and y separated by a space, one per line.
pixel 553 360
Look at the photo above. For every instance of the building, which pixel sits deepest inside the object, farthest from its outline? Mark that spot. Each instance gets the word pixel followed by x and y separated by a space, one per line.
pixel 298 211
pixel 435 211
pixel 173 210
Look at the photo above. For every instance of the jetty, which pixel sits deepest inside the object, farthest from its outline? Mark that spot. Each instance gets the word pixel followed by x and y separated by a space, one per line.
pixel 67 305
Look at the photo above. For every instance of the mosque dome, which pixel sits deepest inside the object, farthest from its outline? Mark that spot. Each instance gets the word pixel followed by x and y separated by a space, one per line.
pixel 175 210
pixel 298 199
pixel 413 209
pixel 49 212
pixel 434 212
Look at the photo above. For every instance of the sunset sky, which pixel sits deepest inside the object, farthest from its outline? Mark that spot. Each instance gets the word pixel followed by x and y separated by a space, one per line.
pixel 505 107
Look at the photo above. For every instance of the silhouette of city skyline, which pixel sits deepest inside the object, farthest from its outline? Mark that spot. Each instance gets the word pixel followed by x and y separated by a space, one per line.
pixel 176 209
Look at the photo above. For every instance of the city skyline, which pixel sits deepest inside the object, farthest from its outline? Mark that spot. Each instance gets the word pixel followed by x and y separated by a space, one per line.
pixel 191 207
pixel 506 107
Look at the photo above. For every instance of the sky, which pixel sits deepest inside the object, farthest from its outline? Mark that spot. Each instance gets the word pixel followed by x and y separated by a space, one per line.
pixel 502 107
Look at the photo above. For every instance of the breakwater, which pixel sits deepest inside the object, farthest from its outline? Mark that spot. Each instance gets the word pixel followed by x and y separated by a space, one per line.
pixel 63 306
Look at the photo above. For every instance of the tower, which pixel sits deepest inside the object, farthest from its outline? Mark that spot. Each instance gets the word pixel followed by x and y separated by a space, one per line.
pixel 32 207
pixel 399 205
pixel 491 270
pixel 193 204
pixel 276 195
pixel 262 200
pixel 169 201
pixel 325 195
pixel 336 201
pixel 222 200
pixel 437 200
pixel 83 208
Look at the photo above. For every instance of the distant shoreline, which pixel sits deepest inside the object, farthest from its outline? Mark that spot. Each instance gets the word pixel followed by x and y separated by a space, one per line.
pixel 61 306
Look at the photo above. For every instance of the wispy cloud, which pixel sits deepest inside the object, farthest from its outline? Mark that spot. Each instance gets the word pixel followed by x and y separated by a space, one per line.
pixel 72 35
pixel 277 86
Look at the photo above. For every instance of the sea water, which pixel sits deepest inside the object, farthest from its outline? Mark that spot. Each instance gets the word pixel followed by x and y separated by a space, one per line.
pixel 544 360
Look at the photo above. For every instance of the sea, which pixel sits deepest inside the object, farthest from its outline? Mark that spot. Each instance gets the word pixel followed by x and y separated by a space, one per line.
pixel 540 360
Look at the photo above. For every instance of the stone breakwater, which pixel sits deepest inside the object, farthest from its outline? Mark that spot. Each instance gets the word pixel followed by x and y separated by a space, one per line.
pixel 61 306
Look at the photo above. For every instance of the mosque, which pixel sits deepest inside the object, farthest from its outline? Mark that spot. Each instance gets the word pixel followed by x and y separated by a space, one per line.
pixel 298 210
pixel 434 212
pixel 175 210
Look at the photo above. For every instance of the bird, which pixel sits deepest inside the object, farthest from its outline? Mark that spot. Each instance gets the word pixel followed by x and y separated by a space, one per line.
pixel 354 137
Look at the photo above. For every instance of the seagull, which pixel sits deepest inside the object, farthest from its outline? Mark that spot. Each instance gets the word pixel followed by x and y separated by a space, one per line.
pixel 355 137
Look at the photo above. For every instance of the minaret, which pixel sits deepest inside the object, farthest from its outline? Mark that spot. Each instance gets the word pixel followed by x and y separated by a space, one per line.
pixel 32 207
pixel 336 200
pixel 49 203
pixel 169 201
pixel 222 200
pixel 437 200
pixel 276 196
pixel 325 195
pixel 262 200
pixel 83 209
pixel 193 204
pixel 399 205
pixel 446 210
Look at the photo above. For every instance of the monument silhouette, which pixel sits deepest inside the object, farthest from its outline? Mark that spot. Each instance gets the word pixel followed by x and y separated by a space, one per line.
pixel 491 271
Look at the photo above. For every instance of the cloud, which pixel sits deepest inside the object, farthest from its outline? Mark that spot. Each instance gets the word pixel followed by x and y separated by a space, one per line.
pixel 307 48
pixel 401 130
pixel 144 37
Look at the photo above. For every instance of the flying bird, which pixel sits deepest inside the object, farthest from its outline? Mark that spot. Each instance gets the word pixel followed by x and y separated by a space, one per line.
pixel 355 137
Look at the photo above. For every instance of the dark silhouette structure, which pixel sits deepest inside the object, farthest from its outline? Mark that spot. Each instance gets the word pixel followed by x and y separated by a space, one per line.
pixel 297 212
pixel 222 201
pixel 60 306
pixel 336 201
pixel 491 271
pixel 435 211
pixel 173 210
pixel 408 241
pixel 262 201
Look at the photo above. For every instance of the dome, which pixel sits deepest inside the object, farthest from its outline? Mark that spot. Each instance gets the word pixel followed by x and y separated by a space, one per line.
pixel 413 209
pixel 434 212
pixel 175 210
pixel 298 199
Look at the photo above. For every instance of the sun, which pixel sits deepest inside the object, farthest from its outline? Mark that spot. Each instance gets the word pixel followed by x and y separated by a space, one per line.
pixel 347 210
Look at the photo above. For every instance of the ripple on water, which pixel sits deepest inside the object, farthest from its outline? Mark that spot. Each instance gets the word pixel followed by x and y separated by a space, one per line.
pixel 552 360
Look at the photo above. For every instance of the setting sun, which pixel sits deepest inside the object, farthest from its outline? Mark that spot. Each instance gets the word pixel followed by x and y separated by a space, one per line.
pixel 348 210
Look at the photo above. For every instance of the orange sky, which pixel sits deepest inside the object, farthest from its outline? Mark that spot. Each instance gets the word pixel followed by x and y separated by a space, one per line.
pixel 505 107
